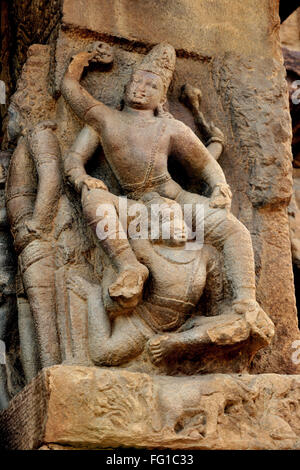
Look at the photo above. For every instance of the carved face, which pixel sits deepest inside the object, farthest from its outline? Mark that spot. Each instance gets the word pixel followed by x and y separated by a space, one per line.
pixel 144 91
pixel 178 233
pixel 173 231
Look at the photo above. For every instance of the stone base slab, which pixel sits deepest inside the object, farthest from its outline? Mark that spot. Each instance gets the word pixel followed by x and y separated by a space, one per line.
pixel 94 408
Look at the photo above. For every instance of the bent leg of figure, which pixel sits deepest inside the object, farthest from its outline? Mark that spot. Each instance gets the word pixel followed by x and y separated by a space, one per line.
pixel 222 330
pixel 225 329
pixel 28 344
pixel 109 344
pixel 100 210
pixel 186 344
pixel 38 279
pixel 225 232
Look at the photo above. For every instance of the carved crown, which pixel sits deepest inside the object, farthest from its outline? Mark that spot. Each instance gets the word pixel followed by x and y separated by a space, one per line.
pixel 161 61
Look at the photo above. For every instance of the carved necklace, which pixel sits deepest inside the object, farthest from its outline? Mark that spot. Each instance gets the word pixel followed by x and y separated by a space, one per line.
pixel 142 123
pixel 168 254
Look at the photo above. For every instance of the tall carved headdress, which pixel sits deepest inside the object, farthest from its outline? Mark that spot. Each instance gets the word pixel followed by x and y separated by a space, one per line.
pixel 161 61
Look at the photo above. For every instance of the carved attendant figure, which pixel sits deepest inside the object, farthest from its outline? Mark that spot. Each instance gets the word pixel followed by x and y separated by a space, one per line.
pixel 163 320
pixel 32 205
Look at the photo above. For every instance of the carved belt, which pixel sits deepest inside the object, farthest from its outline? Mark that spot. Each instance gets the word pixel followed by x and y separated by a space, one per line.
pixel 161 318
pixel 137 190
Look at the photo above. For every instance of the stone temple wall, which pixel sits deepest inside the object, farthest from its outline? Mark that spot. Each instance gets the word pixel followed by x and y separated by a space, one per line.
pixel 24 23
pixel 232 52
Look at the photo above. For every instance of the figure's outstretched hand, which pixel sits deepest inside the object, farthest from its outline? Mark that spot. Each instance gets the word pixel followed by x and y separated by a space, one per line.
pixel 191 97
pixel 101 53
pixel 221 197
pixel 94 183
pixel 215 134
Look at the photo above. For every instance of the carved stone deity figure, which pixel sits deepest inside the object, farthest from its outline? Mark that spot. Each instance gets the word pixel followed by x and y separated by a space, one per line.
pixel 146 304
pixel 137 142
pixel 33 192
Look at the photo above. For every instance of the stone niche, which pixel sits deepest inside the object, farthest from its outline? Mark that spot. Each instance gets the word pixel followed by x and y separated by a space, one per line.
pixel 243 393
pixel 232 52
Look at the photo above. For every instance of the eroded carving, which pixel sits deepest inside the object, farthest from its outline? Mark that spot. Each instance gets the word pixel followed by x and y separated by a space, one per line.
pixel 147 304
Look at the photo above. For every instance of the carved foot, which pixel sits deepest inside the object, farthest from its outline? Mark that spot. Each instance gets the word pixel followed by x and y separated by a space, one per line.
pixel 127 290
pixel 261 325
pixel 160 347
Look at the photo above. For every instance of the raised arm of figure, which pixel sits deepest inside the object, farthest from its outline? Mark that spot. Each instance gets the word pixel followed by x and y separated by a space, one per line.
pixel 85 106
pixel 213 137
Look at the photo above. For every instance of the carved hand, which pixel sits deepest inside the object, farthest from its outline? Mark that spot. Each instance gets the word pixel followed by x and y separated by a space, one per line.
pixel 191 97
pixel 221 196
pixel 214 134
pixel 24 236
pixel 94 183
pixel 101 53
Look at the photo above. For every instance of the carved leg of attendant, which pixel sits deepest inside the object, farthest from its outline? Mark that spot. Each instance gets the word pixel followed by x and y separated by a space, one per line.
pixel 162 347
pixel 127 289
pixel 38 280
pixel 222 330
pixel 28 345
pixel 110 344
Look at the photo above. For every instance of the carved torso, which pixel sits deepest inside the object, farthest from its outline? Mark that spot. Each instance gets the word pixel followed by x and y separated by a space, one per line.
pixel 136 150
pixel 167 302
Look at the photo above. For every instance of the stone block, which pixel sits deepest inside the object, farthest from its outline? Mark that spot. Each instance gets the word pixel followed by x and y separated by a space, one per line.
pixel 92 408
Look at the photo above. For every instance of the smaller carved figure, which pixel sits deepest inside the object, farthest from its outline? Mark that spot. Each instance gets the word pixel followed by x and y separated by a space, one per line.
pixel 169 320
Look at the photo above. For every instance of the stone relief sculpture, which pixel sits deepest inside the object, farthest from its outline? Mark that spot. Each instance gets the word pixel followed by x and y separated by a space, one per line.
pixel 145 304
pixel 147 164
pixel 31 214
pixel 147 154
